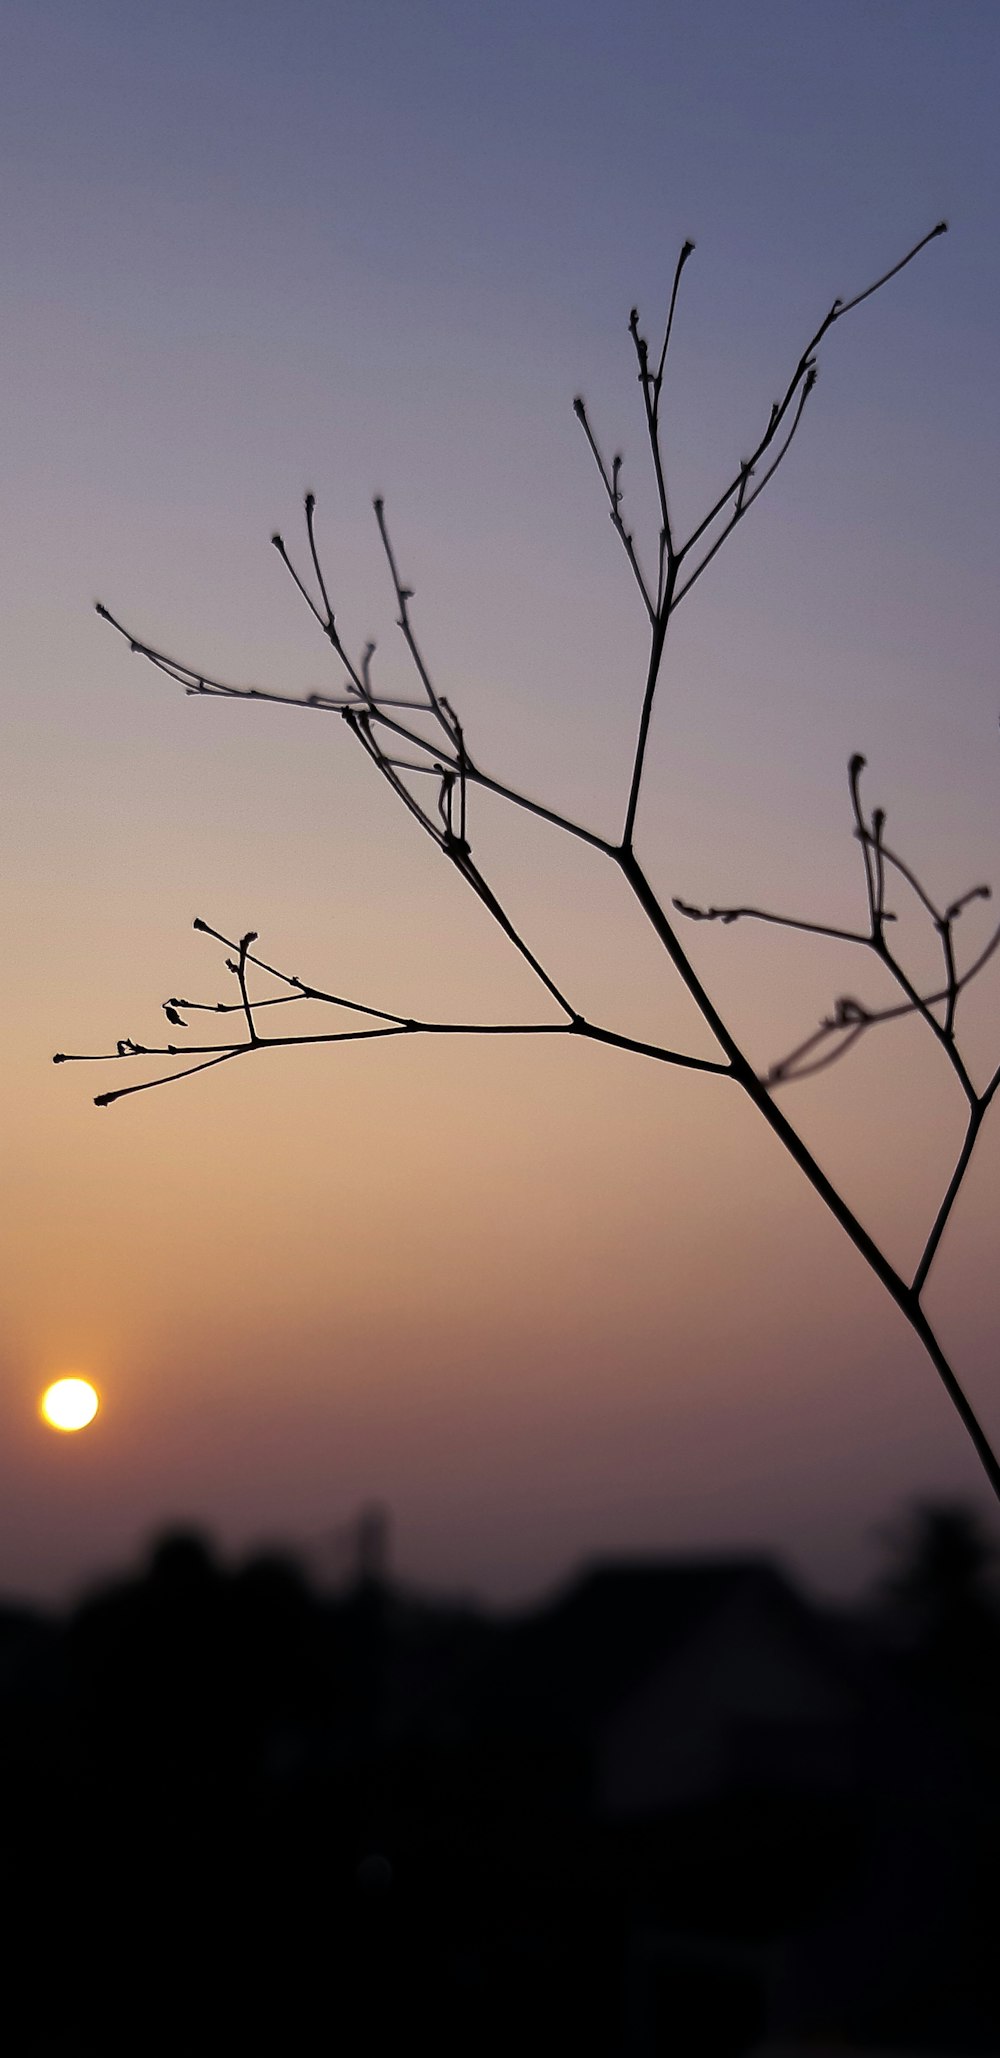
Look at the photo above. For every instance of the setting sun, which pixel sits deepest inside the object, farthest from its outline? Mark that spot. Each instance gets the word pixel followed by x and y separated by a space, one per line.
pixel 69 1404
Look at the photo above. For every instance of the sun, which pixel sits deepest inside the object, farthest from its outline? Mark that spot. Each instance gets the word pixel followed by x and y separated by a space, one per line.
pixel 69 1404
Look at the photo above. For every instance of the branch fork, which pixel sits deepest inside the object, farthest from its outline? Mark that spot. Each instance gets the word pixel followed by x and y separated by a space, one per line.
pixel 417 737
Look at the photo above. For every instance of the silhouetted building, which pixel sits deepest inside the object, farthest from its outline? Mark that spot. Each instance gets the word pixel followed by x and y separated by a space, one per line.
pixel 675 1809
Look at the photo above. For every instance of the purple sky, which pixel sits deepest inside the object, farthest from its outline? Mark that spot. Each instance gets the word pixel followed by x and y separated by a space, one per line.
pixel 540 1300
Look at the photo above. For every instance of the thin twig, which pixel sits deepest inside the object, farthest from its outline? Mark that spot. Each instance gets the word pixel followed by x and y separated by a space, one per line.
pixel 744 500
pixel 728 915
pixel 392 731
pixel 613 492
pixel 781 407
pixel 240 969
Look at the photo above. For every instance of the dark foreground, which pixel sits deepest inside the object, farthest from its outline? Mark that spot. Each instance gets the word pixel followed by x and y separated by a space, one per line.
pixel 676 1810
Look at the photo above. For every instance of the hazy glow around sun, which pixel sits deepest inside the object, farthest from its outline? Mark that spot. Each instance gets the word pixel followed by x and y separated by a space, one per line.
pixel 69 1404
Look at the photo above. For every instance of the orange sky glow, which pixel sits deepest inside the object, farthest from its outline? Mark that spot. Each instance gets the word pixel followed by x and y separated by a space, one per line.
pixel 540 1299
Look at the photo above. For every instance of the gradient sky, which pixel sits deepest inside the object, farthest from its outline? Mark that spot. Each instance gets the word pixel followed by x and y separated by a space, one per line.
pixel 540 1299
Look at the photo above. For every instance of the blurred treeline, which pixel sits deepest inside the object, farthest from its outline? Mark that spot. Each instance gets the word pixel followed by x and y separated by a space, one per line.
pixel 678 1808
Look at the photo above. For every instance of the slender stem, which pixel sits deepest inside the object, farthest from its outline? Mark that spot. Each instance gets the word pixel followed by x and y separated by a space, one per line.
pixel 240 968
pixel 651 404
pixel 302 991
pixel 534 807
pixel 973 1126
pixel 790 1069
pixel 801 372
pixel 580 1027
pixel 727 915
pixel 747 1078
pixel 107 1100
pixel 652 675
pixel 871 1019
pixel 948 947
pixel 483 892
pixel 614 500
pixel 957 1395
pixel 842 307
pixel 743 501
pixel 403 597
pixel 904 1295
pixel 317 566
pixel 687 250
pixel 921 1007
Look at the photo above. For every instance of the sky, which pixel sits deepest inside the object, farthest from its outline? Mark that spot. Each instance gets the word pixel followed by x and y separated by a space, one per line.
pixel 542 1300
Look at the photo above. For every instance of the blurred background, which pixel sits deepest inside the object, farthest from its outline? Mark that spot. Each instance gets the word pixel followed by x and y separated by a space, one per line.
pixel 540 1300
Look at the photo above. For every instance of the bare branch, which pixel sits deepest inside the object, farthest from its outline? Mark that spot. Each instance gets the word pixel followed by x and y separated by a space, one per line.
pixel 951 1195
pixel 393 730
pixel 743 500
pixel 865 1018
pixel 612 488
pixel 661 1052
pixel 854 771
pixel 310 506
pixel 727 915
pixel 850 1018
pixel 781 407
pixel 687 250
pixel 240 969
pixel 404 594
pixel 202 684
pixel 793 1068
pixel 302 991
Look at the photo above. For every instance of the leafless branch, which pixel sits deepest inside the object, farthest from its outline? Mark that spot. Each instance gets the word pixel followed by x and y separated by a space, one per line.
pixel 413 739
pixel 368 712
pixel 728 915
pixel 612 486
pixel 384 1022
pixel 840 1032
pixel 671 586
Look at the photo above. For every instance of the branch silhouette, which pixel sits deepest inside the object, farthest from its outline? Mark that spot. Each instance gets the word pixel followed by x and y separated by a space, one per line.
pixel 417 743
pixel 840 1031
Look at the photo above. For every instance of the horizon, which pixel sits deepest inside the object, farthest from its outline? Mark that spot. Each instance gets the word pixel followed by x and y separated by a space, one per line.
pixel 346 1560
